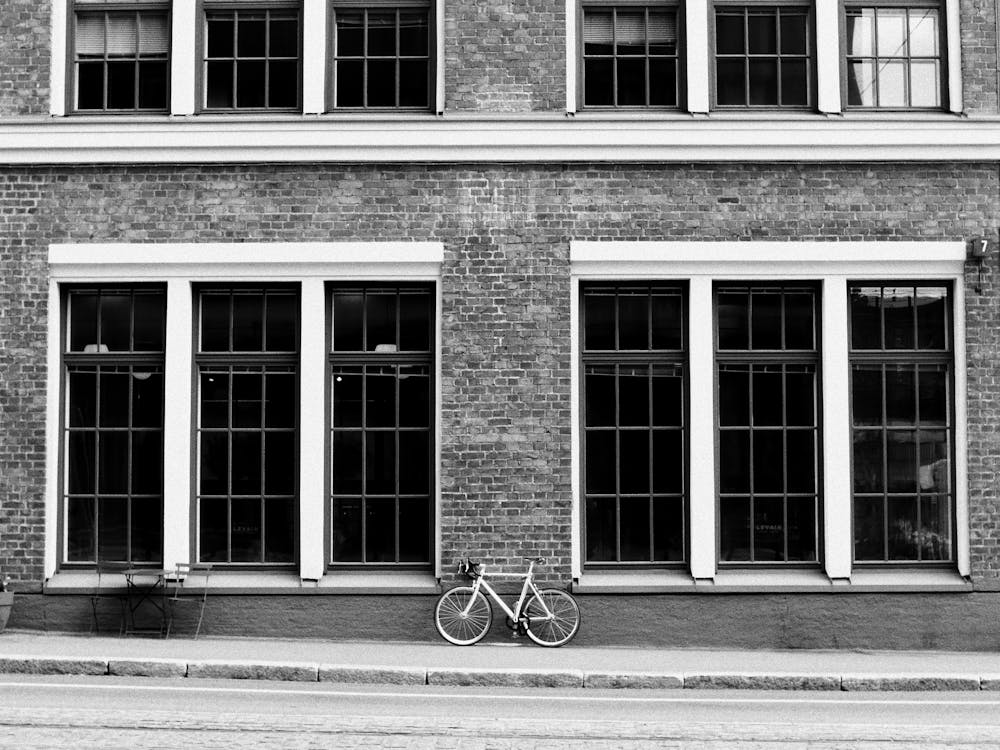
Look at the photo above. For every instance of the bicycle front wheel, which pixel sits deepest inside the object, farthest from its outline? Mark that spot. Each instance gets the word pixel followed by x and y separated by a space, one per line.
pixel 553 617
pixel 463 616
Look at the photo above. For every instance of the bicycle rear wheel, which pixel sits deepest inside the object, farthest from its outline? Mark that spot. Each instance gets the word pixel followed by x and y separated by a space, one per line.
pixel 460 622
pixel 553 619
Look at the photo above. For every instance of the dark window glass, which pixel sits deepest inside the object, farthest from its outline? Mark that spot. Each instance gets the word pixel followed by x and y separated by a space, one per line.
pixel 381 58
pixel 381 442
pixel 903 453
pixel 763 57
pixel 630 57
pixel 121 60
pixel 114 424
pixel 247 425
pixel 634 423
pixel 894 58
pixel 252 59
pixel 768 385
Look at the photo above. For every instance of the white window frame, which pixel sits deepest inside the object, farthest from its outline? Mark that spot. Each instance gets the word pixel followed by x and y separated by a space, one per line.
pixel 831 265
pixel 180 266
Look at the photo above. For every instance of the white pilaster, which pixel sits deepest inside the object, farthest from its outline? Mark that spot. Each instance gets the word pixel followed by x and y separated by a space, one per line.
pixel 53 400
pixel 572 54
pixel 828 55
pixel 184 57
pixel 312 430
pixel 701 498
pixel 956 99
pixel 57 68
pixel 177 427
pixel 314 56
pixel 961 435
pixel 836 441
pixel 439 101
pixel 697 63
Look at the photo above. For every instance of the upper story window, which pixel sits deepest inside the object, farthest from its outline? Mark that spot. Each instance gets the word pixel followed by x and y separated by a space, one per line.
pixel 252 59
pixel 381 57
pixel 763 56
pixel 630 56
pixel 893 57
pixel 120 58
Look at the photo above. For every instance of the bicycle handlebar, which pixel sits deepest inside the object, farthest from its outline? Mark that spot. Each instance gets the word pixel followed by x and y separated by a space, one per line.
pixel 472 569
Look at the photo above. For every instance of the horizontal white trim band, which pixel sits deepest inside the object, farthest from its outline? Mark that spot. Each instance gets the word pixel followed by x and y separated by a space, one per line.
pixel 813 253
pixel 537 138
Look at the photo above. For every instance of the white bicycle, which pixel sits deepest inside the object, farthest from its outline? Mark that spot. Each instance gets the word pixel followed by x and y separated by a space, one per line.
pixel 463 615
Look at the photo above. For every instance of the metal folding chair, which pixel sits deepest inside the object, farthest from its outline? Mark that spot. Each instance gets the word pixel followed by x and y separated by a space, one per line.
pixel 108 574
pixel 189 587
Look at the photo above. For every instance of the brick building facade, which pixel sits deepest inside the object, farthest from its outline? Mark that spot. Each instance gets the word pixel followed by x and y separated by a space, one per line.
pixel 504 215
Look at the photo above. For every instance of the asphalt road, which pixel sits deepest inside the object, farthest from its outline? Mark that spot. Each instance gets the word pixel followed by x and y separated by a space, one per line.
pixel 106 712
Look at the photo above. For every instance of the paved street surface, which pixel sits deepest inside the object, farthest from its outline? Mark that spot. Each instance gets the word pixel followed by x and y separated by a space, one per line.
pixel 111 712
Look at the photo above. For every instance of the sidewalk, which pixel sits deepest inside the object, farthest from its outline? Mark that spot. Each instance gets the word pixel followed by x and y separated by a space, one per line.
pixel 520 665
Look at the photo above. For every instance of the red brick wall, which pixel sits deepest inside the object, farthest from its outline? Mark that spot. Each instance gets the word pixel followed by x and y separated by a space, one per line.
pixel 24 57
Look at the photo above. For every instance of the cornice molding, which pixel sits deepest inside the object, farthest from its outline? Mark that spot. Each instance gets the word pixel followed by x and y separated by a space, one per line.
pixel 497 138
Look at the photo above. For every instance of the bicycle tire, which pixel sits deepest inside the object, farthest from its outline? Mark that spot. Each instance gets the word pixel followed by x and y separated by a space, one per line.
pixel 561 627
pixel 459 628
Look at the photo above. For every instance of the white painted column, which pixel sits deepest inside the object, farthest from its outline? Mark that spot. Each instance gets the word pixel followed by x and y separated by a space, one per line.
pixel 312 431
pixel 314 56
pixel 57 68
pixel 828 55
pixel 572 54
pixel 836 441
pixel 696 30
pixel 177 428
pixel 576 431
pixel 185 60
pixel 702 428
pixel 956 98
pixel 53 399
pixel 439 100
pixel 961 435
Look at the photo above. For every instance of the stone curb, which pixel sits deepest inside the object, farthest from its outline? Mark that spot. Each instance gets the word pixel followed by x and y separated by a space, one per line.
pixel 245 670
pixel 911 682
pixel 754 681
pixel 373 675
pixel 485 677
pixel 505 677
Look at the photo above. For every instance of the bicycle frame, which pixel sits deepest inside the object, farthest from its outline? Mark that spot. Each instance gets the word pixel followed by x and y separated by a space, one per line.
pixel 529 586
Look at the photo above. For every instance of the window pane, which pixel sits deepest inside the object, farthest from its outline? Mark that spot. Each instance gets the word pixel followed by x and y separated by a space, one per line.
pixel 347 530
pixel 924 84
pixel 381 34
pixel 734 461
pixel 768 461
pixel 733 312
pixel 219 85
pixel 800 398
pixel 246 479
pixel 279 531
pixel 116 319
pixel 413 78
pixel 147 463
pixel 801 462
pixel 734 528
pixel 350 34
pixel 763 82
pixel 413 32
pixel 115 399
pixel 380 397
pixel 793 34
pixel 149 315
pixel 283 83
pixel 347 397
pixel 631 82
pixel 82 450
pixel 769 529
pixel 898 304
pixel 633 396
pixel 245 531
pixel 147 528
pixel 766 330
pixel 82 321
pixel 935 536
pixel 767 396
pixel 799 321
pixel 602 528
pixel 220 36
pixel 82 411
pixel 414 397
pixel 903 528
pixel 350 83
pixel 380 311
pixel 248 322
pixel 598 78
pixel 112 468
pixel 601 462
pixel 347 321
pixel 633 461
pixel 869 528
pixel 868 459
pixel 633 321
pixel 728 34
pixel 935 468
pixel 122 35
pixel 662 33
pixel 901 461
pixel 892 84
pixel 381 89
pixel 414 521
pixel 932 305
pixel 347 462
pixel 599 318
pixel 414 322
pixel 734 396
pixel 284 37
pixel 762 33
pixel 730 83
pixel 900 395
pixel 794 83
pixel 662 82
pixel 668 461
pixel 861 84
pixel 251 34
pixel 860 32
pixel 891 32
pixel 866 317
pixel 933 395
pixel 214 530
pixel 112 528
pixel 598 33
pixel 90 85
pixel 801 530
pixel 668 529
pixel 248 399
pixel 668 397
pixel 600 396
pixel 280 465
pixel 214 474
pixel 80 530
pixel 630 33
pixel 90 34
pixel 866 395
pixel 121 85
pixel 380 531
pixel 380 463
pixel 214 399
pixel 414 459
pixel 250 86
pixel 635 528
pixel 923 32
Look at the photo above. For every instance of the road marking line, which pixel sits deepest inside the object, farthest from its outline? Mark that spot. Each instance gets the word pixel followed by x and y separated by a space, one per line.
pixel 250 687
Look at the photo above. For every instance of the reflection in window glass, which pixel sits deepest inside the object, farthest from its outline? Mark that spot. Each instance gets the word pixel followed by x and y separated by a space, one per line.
pixel 635 467
pixel 903 448
pixel 893 57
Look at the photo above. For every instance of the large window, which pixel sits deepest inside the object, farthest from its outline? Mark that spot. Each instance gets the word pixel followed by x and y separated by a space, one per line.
pixel 767 355
pixel 121 59
pixel 763 56
pixel 381 439
pixel 252 59
pixel 113 360
pixel 901 372
pixel 893 58
pixel 630 56
pixel 381 57
pixel 247 360
pixel 634 423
